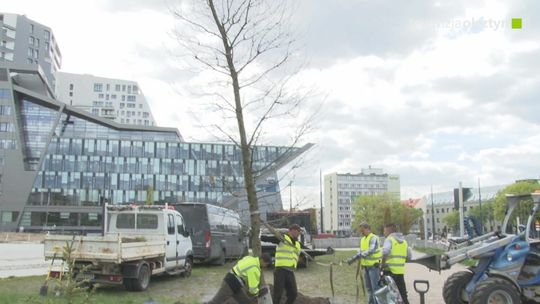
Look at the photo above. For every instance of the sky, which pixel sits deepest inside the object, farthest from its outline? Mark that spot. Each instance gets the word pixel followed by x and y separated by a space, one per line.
pixel 438 92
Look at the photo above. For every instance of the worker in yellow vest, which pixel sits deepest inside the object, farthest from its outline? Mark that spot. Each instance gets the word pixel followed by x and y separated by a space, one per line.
pixel 286 259
pixel 395 253
pixel 242 282
pixel 370 255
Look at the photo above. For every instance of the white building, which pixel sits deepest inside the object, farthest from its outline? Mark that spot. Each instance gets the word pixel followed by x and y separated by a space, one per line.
pixel 340 190
pixel 24 42
pixel 115 99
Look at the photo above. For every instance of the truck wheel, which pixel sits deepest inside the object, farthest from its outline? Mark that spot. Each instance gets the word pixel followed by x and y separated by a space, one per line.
pixel 455 286
pixel 495 290
pixel 143 279
pixel 187 268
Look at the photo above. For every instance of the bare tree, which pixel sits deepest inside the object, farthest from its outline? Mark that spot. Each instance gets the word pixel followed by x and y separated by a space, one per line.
pixel 248 46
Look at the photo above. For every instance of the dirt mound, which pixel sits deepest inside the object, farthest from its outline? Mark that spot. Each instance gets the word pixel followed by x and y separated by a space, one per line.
pixel 301 299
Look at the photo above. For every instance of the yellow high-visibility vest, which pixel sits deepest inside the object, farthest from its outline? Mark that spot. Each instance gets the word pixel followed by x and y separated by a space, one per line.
pixel 374 258
pixel 287 254
pixel 397 257
pixel 249 270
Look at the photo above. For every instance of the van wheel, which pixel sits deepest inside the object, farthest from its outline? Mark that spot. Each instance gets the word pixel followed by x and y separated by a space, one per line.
pixel 143 279
pixel 187 268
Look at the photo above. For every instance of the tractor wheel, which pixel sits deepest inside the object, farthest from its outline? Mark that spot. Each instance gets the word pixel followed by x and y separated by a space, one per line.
pixel 496 291
pixel 454 287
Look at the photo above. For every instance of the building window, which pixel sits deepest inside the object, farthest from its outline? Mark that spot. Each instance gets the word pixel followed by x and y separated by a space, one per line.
pixel 131 98
pixel 130 105
pixel 140 106
pixel 123 88
pixel 100 95
pixel 122 105
pixel 108 87
pixel 113 96
pixel 31 28
pixel 71 86
pixel 98 87
pixel 123 97
pixel 70 94
pixel 6 127
pixel 95 111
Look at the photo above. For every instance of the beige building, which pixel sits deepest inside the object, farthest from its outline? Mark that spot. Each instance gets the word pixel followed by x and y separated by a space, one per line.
pixel 341 189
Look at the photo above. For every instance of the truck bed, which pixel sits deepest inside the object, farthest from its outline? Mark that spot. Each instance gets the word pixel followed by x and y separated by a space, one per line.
pixel 112 248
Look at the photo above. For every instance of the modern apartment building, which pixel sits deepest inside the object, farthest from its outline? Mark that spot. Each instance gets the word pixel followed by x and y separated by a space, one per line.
pixel 115 99
pixel 24 42
pixel 60 164
pixel 341 189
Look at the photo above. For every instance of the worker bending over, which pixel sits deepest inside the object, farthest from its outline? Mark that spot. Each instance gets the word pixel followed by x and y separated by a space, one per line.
pixel 242 282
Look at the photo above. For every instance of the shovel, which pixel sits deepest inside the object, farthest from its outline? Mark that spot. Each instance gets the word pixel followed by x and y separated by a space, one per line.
pixel 45 287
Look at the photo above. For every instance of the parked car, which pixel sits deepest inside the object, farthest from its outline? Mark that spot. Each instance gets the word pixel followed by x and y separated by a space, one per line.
pixel 216 232
pixel 140 241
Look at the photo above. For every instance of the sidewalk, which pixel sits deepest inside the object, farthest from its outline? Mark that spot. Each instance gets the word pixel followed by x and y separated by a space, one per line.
pixel 22 259
pixel 415 271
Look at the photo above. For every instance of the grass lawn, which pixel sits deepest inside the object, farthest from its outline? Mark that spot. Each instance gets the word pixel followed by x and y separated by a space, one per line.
pixel 203 283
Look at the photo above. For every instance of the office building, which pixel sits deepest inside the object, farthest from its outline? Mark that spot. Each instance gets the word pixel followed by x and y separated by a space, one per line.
pixel 26 43
pixel 341 189
pixel 115 99
pixel 60 164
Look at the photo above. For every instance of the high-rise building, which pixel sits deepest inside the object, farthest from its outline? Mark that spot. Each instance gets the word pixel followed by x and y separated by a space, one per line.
pixel 60 164
pixel 115 99
pixel 27 43
pixel 341 189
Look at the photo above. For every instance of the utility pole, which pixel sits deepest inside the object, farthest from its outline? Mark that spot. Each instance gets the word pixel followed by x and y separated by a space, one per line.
pixel 432 216
pixel 290 196
pixel 461 215
pixel 480 203
pixel 320 199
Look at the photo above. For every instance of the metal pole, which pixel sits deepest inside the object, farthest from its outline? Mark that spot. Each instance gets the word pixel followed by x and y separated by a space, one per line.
pixel 461 215
pixel 432 216
pixel 320 198
pixel 480 203
pixel 290 197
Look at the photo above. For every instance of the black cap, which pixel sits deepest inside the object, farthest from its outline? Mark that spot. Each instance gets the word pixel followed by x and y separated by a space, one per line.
pixel 295 227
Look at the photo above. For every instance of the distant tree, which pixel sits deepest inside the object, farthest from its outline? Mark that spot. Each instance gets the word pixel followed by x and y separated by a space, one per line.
pixel 486 214
pixel 378 210
pixel 452 220
pixel 149 196
pixel 523 209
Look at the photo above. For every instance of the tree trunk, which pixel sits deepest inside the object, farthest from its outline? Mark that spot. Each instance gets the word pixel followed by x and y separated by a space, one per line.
pixel 249 181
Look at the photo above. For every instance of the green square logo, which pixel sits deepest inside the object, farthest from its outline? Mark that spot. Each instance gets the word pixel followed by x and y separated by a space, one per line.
pixel 516 23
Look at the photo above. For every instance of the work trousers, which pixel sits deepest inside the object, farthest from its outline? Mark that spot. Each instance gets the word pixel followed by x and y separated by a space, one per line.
pixel 284 279
pixel 225 292
pixel 371 279
pixel 400 282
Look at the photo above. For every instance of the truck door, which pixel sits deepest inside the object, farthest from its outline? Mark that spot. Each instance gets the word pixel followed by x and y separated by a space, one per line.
pixel 183 243
pixel 171 257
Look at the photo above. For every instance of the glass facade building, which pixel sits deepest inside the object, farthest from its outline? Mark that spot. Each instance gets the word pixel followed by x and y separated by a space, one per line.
pixel 70 163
